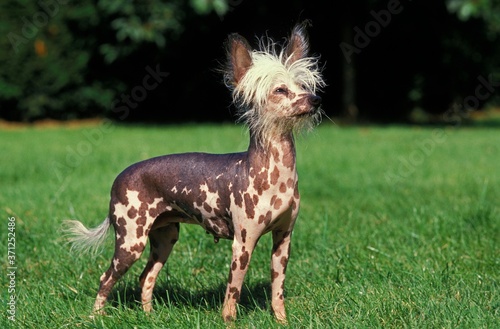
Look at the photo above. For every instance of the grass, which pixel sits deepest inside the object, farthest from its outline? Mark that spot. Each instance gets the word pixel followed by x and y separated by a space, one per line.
pixel 399 227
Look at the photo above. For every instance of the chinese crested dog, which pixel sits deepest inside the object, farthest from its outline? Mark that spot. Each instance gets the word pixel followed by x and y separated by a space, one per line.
pixel 237 196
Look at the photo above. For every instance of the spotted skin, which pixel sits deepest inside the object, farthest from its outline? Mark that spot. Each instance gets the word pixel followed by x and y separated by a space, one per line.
pixel 225 194
pixel 237 196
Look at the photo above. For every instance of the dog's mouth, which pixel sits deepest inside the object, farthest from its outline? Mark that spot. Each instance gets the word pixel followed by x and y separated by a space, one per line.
pixel 307 113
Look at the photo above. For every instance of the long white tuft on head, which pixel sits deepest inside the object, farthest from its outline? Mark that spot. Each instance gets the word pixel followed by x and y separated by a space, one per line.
pixel 269 66
pixel 252 75
pixel 83 239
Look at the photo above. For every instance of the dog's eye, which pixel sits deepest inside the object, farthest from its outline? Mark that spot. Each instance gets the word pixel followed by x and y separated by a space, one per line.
pixel 281 90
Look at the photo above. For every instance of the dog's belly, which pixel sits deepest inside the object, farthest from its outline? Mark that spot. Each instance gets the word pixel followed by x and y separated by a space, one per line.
pixel 219 227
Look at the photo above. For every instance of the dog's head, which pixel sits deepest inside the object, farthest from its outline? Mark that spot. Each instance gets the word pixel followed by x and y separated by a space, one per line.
pixel 275 86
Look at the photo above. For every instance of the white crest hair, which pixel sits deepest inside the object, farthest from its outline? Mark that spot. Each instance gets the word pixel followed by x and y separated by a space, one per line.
pixel 270 66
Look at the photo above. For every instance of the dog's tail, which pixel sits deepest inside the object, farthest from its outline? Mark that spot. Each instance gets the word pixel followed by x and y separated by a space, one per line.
pixel 83 239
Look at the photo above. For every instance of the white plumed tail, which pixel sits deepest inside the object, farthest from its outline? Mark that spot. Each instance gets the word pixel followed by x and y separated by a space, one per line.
pixel 83 239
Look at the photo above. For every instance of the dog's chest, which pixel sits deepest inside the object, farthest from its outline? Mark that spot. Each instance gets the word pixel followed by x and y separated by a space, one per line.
pixel 254 197
pixel 255 200
pixel 245 202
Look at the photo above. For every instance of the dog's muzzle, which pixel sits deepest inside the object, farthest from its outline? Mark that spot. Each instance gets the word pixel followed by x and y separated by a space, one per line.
pixel 314 101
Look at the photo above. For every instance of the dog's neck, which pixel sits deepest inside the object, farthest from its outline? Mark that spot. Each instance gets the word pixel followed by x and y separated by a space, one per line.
pixel 280 149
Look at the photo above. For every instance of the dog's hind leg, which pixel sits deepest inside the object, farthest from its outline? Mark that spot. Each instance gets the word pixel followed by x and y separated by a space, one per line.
pixel 161 241
pixel 128 248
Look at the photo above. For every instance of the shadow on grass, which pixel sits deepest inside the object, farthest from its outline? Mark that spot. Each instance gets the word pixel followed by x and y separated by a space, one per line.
pixel 254 297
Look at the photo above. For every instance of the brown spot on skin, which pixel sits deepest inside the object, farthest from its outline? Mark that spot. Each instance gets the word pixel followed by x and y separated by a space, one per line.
pixel 284 262
pixel 219 209
pixel 244 260
pixel 274 275
pixel 235 292
pixel 153 212
pixel 275 175
pixel 278 203
pixel 249 206
pixel 151 279
pixel 273 200
pixel 266 219
pixel 207 207
pixel 255 199
pixel 282 187
pixel 141 220
pixel 132 212
pixel 140 231
pixel 120 230
pixel 215 229
pixel 260 183
pixel 121 221
pixel 243 235
pixel 238 200
pixel 142 210
pixel 160 207
pixel 234 265
pixel 275 153
pixel 296 190
pixel 139 247
pixel 289 183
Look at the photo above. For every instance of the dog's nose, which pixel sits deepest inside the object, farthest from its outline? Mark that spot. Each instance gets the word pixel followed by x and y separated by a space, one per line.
pixel 314 100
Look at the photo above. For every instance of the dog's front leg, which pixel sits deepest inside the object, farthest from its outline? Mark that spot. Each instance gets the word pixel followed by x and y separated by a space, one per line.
pixel 279 261
pixel 243 247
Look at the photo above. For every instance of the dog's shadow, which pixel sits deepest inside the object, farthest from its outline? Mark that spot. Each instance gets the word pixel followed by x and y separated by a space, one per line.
pixel 253 297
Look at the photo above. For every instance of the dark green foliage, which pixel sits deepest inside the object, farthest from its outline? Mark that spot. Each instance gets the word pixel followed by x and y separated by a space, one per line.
pixel 485 9
pixel 64 59
pixel 53 52
pixel 45 74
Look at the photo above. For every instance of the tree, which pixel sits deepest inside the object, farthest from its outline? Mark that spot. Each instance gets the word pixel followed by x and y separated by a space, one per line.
pixel 57 54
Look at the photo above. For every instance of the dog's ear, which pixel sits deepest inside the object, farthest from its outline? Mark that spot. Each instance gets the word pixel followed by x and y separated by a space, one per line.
pixel 240 60
pixel 298 44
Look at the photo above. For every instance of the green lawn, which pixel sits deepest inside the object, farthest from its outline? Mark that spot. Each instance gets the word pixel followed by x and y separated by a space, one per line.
pixel 399 228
